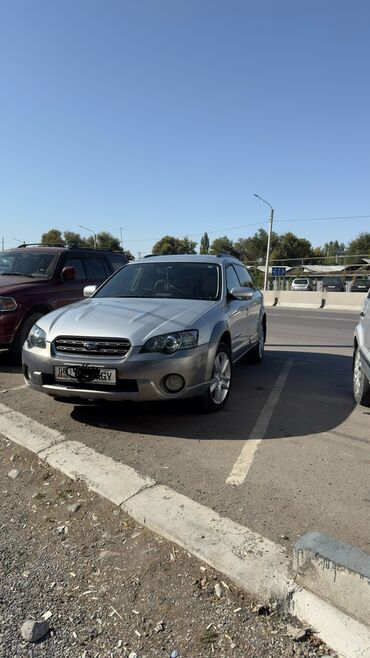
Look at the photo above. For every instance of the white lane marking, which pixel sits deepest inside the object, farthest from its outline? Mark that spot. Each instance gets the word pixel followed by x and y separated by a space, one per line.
pixel 242 465
pixel 15 388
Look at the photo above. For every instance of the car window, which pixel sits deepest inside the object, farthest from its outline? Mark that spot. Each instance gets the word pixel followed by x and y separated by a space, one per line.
pixel 244 276
pixel 232 280
pixel 96 268
pixel 78 265
pixel 172 280
pixel 37 264
pixel 116 261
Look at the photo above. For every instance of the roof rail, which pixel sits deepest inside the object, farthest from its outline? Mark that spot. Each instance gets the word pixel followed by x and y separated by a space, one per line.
pixel 38 244
pixel 222 255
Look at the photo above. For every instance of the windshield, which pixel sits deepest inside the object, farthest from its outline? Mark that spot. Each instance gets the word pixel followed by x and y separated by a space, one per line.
pixel 301 281
pixel 37 264
pixel 169 280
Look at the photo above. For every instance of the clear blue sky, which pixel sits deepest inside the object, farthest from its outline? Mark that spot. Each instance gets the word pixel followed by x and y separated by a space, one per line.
pixel 165 116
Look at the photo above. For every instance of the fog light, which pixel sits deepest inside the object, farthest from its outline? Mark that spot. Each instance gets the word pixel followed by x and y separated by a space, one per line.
pixel 174 383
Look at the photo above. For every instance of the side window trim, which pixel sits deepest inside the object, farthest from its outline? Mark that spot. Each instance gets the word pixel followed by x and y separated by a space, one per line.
pixel 231 267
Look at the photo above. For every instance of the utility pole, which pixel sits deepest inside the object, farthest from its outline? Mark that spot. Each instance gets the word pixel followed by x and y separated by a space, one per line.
pixel 120 230
pixel 271 219
pixel 2 243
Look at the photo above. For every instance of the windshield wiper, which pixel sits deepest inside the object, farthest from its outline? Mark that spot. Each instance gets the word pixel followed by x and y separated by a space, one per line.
pixel 17 274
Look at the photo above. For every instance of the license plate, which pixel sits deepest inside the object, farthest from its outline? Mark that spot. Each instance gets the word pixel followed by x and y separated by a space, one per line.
pixel 106 376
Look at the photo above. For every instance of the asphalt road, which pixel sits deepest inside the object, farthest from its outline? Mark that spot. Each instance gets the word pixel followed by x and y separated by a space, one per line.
pixel 309 472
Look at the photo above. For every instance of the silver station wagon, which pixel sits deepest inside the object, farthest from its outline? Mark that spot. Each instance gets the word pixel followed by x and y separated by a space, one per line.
pixel 361 356
pixel 160 328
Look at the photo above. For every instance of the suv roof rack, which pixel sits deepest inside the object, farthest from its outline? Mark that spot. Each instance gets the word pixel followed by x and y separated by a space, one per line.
pixel 222 255
pixel 65 246
pixel 38 244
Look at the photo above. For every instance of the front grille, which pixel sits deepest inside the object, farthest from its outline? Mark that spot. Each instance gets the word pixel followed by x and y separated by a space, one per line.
pixel 93 346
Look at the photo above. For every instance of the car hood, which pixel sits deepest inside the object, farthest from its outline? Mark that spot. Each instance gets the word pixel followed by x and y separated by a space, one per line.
pixel 133 318
pixel 10 284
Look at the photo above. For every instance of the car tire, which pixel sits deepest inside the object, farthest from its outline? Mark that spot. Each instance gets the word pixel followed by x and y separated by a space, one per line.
pixel 361 384
pixel 15 351
pixel 255 355
pixel 215 398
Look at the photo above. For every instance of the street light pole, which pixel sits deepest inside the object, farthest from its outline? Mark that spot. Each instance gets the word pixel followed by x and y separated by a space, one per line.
pixel 91 231
pixel 271 219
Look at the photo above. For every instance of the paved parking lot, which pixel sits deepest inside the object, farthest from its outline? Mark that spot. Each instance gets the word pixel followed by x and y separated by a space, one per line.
pixel 309 471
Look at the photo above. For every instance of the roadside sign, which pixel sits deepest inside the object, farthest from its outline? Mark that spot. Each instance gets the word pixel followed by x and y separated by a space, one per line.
pixel 278 271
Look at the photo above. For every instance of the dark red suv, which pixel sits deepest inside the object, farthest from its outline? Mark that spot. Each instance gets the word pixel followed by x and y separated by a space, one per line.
pixel 36 280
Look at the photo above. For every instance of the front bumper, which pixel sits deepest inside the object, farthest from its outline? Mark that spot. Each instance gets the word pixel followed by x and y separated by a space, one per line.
pixel 141 375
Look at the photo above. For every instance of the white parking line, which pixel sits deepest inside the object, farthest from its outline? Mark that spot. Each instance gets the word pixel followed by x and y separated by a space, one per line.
pixel 15 388
pixel 242 465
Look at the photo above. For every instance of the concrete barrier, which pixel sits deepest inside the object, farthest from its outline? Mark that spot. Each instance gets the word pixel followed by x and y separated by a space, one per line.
pixel 296 299
pixel 338 573
pixel 346 301
pixel 270 297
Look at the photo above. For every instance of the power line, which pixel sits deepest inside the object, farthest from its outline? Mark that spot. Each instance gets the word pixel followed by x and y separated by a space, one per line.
pixel 242 226
pixel 324 219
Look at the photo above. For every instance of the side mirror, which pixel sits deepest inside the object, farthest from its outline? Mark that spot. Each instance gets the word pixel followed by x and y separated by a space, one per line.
pixel 89 290
pixel 368 294
pixel 68 273
pixel 242 293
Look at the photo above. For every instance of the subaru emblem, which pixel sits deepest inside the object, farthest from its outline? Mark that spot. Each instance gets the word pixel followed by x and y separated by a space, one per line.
pixel 89 347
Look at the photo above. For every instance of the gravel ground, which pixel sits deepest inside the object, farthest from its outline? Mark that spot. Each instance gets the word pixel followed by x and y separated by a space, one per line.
pixel 112 589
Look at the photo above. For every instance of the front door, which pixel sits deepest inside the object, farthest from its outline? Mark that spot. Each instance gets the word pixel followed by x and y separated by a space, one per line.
pixel 237 315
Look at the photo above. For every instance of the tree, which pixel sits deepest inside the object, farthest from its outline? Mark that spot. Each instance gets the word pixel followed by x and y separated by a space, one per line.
pixel 74 239
pixel 169 245
pixel 360 245
pixel 253 249
pixel 333 248
pixel 128 254
pixel 224 245
pixel 52 237
pixel 204 244
pixel 105 240
pixel 291 248
pixel 187 246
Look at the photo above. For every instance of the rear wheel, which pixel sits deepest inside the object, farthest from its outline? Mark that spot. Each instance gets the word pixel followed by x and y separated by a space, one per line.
pixel 15 351
pixel 218 391
pixel 361 384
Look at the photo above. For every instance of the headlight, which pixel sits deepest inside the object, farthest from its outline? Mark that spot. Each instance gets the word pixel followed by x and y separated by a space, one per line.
pixel 171 343
pixel 37 337
pixel 7 304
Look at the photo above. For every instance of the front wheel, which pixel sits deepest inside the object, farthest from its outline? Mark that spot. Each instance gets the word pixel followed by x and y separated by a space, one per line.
pixel 361 384
pixel 218 391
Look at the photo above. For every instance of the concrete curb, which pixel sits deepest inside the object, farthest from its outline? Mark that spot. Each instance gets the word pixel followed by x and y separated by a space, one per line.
pixel 337 572
pixel 250 560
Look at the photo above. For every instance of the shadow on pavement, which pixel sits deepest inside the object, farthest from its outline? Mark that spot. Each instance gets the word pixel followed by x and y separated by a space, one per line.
pixel 317 397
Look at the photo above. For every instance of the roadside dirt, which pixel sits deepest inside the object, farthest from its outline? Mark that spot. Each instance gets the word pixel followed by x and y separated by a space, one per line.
pixel 112 589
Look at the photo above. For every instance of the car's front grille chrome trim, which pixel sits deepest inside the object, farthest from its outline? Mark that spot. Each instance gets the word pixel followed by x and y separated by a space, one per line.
pixel 93 346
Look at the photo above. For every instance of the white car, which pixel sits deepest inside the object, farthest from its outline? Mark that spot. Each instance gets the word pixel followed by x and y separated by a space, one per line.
pixel 301 284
